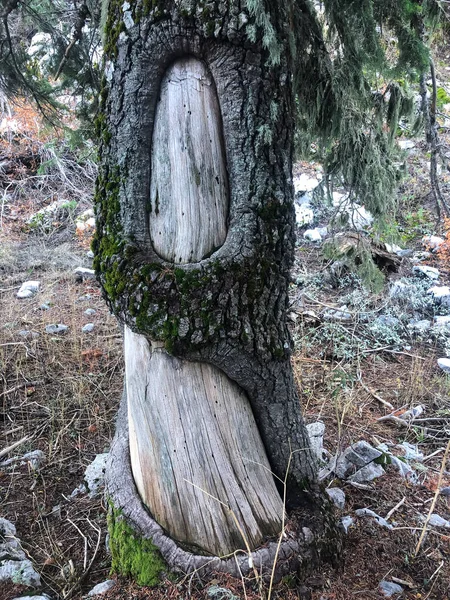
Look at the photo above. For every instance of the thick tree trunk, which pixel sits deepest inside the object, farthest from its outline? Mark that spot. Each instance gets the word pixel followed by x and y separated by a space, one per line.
pixel 194 243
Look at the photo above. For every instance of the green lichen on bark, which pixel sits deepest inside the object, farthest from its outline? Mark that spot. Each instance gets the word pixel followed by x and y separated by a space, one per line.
pixel 132 555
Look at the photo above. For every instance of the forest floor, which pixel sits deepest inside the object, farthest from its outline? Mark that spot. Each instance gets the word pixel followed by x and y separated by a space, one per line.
pixel 59 393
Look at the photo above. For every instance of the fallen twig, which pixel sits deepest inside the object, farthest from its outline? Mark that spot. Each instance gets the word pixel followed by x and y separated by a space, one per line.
pixel 12 447
pixel 372 393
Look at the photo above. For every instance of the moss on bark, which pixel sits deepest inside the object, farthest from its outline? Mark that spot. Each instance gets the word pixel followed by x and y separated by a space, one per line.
pixel 131 554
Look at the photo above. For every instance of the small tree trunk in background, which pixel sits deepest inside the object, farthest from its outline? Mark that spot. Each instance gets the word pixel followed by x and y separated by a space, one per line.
pixel 194 243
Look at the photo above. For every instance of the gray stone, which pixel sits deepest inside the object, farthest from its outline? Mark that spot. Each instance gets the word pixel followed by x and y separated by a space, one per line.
pixel 404 253
pixel 432 241
pixel 94 476
pixel 367 473
pixel 304 215
pixel 441 322
pixel 444 364
pixel 361 453
pixel 347 522
pixel 42 597
pixel 28 289
pixel 102 588
pixel 419 327
pixel 389 589
pixel 445 491
pixel 387 321
pixel 25 333
pixel 45 306
pixel 340 314
pixel 10 548
pixel 90 311
pixel 438 521
pixel 366 512
pixel 35 459
pixel 315 432
pixel 420 256
pixel 337 496
pixel 441 294
pixel 305 183
pixel 313 235
pixel 425 271
pixel 56 328
pixel 20 572
pixel 406 144
pixel 219 593
pixel 83 274
pixel 88 328
pixel 90 254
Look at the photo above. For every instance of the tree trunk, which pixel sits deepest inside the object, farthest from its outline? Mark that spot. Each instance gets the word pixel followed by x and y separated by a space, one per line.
pixel 194 243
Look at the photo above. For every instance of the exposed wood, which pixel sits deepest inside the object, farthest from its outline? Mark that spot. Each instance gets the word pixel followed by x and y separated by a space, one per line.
pixel 298 547
pixel 189 184
pixel 194 443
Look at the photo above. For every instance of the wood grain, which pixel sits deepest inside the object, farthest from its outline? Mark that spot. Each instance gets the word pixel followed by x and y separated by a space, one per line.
pixel 195 451
pixel 189 184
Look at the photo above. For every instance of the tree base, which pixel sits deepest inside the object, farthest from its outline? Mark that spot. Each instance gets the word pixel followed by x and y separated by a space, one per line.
pixel 141 548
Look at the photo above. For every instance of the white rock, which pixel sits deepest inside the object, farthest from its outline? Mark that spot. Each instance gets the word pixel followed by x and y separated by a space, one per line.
pixel 337 496
pixel 304 215
pixel 361 453
pixel 56 328
pixel 442 321
pixel 389 589
pixel 432 241
pixel 316 432
pixel 412 451
pixel 444 364
pixel 425 271
pixel 305 183
pixel 88 328
pixel 406 144
pixel 81 274
pixel 347 522
pixel 90 254
pixel 42 597
pixel 367 473
pixel 413 412
pixel 366 512
pixel 313 235
pixel 340 314
pixel 102 588
pixel 421 326
pixel 435 521
pixel 28 289
pixel 393 249
pixel 441 294
pixel 94 476
pixel 20 572
pixel 90 311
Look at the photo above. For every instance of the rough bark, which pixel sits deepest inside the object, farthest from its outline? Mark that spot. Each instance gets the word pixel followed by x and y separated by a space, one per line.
pixel 227 309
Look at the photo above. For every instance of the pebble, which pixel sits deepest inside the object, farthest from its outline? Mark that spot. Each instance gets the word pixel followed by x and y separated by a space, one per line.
pixel 437 521
pixel 445 491
pixel 102 588
pixel 88 328
pixel 54 328
pixel 90 311
pixel 389 589
pixel 444 364
pixel 432 241
pixel 313 235
pixel 28 334
pixel 337 496
pixel 366 512
pixel 442 321
pixel 316 432
pixel 90 254
pixel 406 144
pixel 82 274
pixel 20 572
pixel 340 314
pixel 425 271
pixel 441 294
pixel 42 597
pixel 367 473
pixel 44 306
pixel 347 522
pixel 28 289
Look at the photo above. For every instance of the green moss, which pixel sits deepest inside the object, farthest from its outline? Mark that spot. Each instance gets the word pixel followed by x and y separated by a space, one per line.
pixel 132 555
